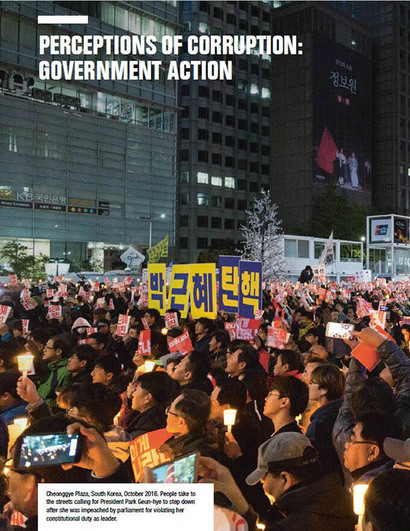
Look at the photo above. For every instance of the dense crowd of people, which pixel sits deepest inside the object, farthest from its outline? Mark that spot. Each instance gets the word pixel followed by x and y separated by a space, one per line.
pixel 311 423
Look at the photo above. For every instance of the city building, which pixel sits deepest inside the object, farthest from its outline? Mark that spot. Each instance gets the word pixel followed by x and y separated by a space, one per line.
pixel 389 23
pixel 224 131
pixel 321 126
pixel 87 168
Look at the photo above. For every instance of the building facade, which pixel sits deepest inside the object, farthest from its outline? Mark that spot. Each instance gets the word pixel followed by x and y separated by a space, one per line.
pixel 321 112
pixel 389 23
pixel 225 132
pixel 86 168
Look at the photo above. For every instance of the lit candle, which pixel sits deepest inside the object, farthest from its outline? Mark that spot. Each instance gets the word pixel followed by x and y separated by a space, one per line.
pixel 164 331
pixel 359 492
pixel 25 363
pixel 229 418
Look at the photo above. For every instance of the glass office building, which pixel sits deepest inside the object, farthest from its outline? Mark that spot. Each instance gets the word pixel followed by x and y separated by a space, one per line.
pixel 86 168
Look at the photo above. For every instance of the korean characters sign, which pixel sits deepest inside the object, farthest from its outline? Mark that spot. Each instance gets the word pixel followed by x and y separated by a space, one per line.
pixel 228 283
pixel 144 343
pixel 4 313
pixel 171 320
pixel 178 297
pixel 122 325
pixel 157 288
pixel 250 288
pixel 203 290
pixel 181 344
pixel 144 451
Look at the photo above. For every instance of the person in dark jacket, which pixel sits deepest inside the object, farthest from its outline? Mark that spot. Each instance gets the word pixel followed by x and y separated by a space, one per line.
pixel 192 372
pixel 154 392
pixel 363 395
pixel 80 364
pixel 326 387
pixel 203 330
pixel 187 418
pixel 306 275
pixel 303 499
pixel 287 398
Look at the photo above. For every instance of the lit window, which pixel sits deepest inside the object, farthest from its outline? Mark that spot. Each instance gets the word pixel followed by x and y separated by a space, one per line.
pixel 203 27
pixel 202 178
pixel 229 182
pixel 202 199
pixel 216 181
pixel 254 89
pixel 265 93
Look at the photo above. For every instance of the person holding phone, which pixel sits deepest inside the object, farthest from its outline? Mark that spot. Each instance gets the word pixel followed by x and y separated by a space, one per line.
pixel 96 464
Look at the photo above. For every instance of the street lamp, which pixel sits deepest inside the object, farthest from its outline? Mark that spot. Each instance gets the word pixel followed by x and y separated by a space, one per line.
pixel 162 216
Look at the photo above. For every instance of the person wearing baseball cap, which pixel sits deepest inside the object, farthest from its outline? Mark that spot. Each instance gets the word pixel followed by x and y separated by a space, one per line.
pixel 301 497
pixel 399 451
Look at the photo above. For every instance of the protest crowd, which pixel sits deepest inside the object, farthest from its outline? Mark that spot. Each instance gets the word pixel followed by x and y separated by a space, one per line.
pixel 145 379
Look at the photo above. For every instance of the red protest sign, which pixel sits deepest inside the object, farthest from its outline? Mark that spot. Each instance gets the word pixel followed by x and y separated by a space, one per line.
pixel 54 311
pixel 24 324
pixel 377 317
pixel 91 331
pixel 367 355
pixel 49 293
pixel 84 341
pixel 231 329
pixel 278 337
pixel 4 313
pixel 246 328
pixel 145 323
pixel 28 303
pixel 171 320
pixel 181 344
pixel 122 325
pixel 144 343
pixel 144 451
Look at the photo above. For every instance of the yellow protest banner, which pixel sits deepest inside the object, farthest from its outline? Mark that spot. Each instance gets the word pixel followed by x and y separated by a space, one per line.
pixel 203 290
pixel 157 287
pixel 178 297
pixel 160 250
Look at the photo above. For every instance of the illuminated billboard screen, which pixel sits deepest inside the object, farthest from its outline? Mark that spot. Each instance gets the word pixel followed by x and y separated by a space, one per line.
pixel 342 136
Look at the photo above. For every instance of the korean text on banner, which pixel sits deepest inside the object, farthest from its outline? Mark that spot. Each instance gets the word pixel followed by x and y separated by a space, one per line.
pixel 122 325
pixel 228 283
pixel 144 343
pixel 203 290
pixel 181 344
pixel 157 287
pixel 160 250
pixel 277 338
pixel 144 451
pixel 246 329
pixel 250 288
pixel 4 313
pixel 178 297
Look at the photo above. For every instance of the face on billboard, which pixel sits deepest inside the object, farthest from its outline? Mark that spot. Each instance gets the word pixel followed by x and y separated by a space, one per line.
pixel 342 117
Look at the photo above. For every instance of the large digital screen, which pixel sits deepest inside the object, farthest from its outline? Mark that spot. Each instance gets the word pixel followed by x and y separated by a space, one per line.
pixel 342 133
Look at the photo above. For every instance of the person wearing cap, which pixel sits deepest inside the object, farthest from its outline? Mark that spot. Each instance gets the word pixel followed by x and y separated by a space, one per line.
pixel 399 451
pixel 302 498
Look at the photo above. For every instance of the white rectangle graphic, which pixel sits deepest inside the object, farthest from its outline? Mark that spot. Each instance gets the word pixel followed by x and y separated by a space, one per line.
pixel 125 507
pixel 62 19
